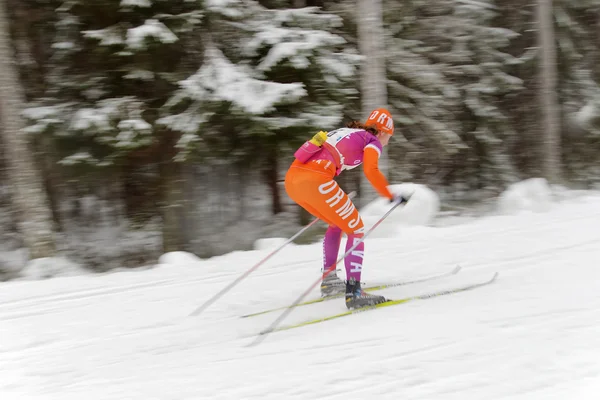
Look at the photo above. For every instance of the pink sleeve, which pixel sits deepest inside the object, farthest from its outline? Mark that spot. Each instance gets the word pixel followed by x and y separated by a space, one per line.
pixel 372 172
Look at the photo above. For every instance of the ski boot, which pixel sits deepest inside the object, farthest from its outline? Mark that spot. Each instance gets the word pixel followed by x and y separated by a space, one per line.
pixel 357 298
pixel 332 285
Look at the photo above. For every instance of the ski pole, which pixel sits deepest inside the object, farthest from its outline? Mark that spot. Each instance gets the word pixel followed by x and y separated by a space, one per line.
pixel 291 307
pixel 227 288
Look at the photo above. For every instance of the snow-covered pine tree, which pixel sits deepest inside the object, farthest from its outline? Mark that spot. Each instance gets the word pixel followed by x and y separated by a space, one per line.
pixel 424 101
pixel 576 26
pixel 446 74
pixel 577 46
pixel 461 36
pixel 576 32
pixel 114 65
pixel 270 78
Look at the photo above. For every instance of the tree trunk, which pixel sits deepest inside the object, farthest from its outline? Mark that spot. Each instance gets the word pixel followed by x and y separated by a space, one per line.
pixel 549 99
pixel 171 189
pixel 371 43
pixel 51 178
pixel 29 196
pixel 271 175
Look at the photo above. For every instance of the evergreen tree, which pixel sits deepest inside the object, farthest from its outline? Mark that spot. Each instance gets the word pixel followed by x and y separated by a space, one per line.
pixel 269 79
pixel 423 99
pixel 578 69
pixel 114 65
pixel 458 77
pixel 484 83
pixel 578 85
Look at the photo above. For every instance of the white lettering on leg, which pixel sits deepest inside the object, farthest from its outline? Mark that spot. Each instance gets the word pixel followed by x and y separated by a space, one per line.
pixel 358 253
pixel 327 187
pixel 346 210
pixel 336 198
pixel 356 267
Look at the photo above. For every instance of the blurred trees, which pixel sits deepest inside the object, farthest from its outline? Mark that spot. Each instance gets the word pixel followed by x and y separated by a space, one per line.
pixel 29 197
pixel 449 71
pixel 133 96
pixel 140 85
pixel 548 95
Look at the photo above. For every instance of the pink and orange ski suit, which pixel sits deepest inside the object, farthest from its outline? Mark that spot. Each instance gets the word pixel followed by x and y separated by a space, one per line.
pixel 311 184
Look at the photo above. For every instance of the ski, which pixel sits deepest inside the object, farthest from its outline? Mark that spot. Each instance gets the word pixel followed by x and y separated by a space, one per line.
pixel 388 303
pixel 455 271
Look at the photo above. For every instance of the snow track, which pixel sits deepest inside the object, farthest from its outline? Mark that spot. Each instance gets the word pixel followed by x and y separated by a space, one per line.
pixel 533 334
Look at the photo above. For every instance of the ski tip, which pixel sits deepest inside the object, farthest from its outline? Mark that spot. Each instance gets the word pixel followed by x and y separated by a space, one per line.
pixel 495 276
pixel 456 269
pixel 256 314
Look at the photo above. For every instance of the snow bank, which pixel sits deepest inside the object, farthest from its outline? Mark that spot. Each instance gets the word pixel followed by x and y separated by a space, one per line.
pixel 50 267
pixel 179 258
pixel 422 208
pixel 533 195
pixel 269 243
pixel 532 335
pixel 12 261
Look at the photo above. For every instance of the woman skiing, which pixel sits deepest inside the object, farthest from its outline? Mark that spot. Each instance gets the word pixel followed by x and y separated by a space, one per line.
pixel 309 182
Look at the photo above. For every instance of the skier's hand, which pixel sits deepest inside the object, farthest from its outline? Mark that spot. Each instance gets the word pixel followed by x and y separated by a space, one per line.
pixel 398 199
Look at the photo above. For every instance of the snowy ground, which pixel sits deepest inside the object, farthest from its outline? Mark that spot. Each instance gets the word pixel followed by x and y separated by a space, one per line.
pixel 533 334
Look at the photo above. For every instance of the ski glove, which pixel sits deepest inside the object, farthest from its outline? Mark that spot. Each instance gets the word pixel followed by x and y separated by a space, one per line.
pixel 400 198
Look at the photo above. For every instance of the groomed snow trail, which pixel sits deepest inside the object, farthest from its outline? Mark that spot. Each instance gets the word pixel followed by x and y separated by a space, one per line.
pixel 533 334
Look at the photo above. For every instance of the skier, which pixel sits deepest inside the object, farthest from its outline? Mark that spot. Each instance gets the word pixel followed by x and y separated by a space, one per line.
pixel 310 183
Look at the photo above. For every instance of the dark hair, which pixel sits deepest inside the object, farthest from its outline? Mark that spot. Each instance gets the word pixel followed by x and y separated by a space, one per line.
pixel 360 125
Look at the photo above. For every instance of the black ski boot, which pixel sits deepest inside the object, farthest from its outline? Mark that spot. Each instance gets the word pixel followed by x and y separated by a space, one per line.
pixel 332 285
pixel 357 298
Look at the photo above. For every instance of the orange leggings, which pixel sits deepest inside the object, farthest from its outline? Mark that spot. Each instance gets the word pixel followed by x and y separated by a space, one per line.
pixel 311 185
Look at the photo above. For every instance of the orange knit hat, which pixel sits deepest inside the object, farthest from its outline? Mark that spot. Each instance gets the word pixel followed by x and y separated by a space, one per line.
pixel 381 119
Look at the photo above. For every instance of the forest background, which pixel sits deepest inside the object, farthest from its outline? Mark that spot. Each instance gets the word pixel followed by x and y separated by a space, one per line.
pixel 131 128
